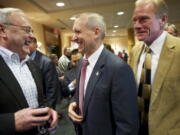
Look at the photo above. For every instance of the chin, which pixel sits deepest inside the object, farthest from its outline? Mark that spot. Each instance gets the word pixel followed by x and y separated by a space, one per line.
pixel 80 49
pixel 26 52
pixel 141 38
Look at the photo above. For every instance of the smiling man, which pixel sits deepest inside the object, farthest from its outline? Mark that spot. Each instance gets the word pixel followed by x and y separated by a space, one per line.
pixel 155 62
pixel 105 102
pixel 20 80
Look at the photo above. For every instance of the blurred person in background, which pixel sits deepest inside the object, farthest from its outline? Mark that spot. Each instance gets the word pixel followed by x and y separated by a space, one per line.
pixel 49 73
pixel 171 29
pixel 64 60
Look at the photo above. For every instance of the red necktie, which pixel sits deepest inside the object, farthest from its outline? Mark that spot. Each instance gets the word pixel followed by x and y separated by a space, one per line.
pixel 81 85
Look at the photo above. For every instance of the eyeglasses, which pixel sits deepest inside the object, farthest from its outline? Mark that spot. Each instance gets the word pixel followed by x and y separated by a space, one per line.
pixel 27 29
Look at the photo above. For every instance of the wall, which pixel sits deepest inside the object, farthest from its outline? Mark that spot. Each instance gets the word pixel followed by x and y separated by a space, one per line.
pixel 117 43
pixel 39 34
pixel 66 38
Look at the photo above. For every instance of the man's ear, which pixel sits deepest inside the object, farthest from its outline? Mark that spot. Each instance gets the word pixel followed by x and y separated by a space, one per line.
pixel 163 20
pixel 97 31
pixel 2 31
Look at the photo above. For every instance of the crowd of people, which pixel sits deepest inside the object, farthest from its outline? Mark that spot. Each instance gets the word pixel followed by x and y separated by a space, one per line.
pixel 100 93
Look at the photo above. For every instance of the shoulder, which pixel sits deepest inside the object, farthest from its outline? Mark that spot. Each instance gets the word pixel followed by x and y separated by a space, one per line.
pixel 172 41
pixel 44 58
pixel 113 61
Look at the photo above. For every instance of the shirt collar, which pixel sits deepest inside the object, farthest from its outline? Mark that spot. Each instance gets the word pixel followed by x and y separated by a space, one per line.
pixel 157 44
pixel 94 57
pixel 8 55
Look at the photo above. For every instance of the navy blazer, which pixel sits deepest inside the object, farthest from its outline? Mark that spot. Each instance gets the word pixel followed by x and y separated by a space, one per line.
pixel 12 98
pixel 110 106
pixel 50 78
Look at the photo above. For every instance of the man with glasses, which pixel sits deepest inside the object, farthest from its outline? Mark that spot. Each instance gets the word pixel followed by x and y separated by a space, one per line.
pixel 20 80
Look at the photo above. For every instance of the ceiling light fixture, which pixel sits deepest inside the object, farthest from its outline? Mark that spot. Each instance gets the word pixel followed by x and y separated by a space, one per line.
pixel 60 4
pixel 120 13
pixel 116 26
pixel 114 30
pixel 73 18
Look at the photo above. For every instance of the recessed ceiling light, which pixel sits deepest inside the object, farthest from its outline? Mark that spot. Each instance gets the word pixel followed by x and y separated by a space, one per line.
pixel 60 4
pixel 116 26
pixel 120 13
pixel 73 18
pixel 114 30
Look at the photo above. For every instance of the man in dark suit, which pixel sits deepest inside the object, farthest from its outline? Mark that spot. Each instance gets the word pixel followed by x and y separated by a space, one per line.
pixel 49 73
pixel 109 106
pixel 20 80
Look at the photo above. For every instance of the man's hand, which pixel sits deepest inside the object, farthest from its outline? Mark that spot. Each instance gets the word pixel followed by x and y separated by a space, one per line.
pixel 28 118
pixel 72 114
pixel 53 119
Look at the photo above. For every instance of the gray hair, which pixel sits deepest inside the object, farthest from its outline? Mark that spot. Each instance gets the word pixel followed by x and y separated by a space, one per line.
pixel 95 20
pixel 5 14
pixel 160 6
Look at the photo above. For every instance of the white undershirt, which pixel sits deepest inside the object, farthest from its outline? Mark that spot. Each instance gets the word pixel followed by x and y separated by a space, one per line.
pixel 92 62
pixel 156 48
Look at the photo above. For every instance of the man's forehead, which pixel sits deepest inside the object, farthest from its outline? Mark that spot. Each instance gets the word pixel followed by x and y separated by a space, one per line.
pixel 19 19
pixel 79 24
pixel 143 9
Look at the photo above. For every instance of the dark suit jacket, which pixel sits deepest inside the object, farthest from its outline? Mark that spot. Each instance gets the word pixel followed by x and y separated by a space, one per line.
pixel 50 78
pixel 110 106
pixel 12 98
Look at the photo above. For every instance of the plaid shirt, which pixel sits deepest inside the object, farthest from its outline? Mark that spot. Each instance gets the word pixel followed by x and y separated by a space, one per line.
pixel 22 74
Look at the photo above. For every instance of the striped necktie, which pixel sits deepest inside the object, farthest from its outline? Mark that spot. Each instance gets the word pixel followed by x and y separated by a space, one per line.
pixel 144 92
pixel 85 63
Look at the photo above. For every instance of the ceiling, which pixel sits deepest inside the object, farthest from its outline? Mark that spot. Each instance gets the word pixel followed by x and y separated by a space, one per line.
pixel 46 12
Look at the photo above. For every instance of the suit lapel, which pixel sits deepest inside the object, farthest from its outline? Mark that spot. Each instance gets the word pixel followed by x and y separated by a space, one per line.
pixel 96 74
pixel 12 84
pixel 165 61
pixel 37 58
pixel 136 57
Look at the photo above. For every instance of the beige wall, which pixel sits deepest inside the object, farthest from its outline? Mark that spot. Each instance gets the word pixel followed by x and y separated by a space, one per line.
pixel 117 43
pixel 65 38
pixel 39 34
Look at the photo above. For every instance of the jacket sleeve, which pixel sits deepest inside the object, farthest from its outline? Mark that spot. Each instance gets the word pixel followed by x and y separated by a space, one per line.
pixel 7 124
pixel 51 83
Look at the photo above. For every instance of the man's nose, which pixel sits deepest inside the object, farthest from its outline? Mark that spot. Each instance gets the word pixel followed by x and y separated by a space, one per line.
pixel 136 24
pixel 74 37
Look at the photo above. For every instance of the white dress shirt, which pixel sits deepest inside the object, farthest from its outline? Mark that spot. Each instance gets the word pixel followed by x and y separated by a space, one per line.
pixel 92 62
pixel 22 74
pixel 156 48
